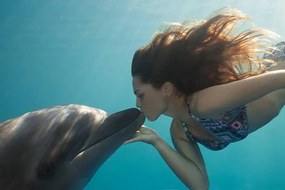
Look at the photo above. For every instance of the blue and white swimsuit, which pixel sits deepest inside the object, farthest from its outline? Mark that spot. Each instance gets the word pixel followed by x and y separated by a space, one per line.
pixel 232 127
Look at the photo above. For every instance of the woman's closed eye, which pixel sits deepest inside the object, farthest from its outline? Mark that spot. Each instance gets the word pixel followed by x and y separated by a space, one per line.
pixel 140 96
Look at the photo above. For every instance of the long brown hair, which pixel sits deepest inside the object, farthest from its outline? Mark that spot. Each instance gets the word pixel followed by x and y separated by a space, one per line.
pixel 196 57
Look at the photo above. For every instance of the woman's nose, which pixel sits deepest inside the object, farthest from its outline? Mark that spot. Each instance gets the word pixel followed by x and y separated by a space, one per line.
pixel 138 103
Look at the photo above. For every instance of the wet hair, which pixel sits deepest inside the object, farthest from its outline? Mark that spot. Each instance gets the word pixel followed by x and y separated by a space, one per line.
pixel 275 53
pixel 195 57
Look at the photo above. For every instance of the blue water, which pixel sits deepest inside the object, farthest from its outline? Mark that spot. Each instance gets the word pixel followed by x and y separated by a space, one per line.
pixel 56 52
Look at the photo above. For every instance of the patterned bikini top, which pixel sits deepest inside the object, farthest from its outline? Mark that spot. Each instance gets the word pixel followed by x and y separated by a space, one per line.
pixel 232 127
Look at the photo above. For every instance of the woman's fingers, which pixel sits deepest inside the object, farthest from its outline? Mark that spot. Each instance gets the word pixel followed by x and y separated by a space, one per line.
pixel 144 134
pixel 139 135
pixel 134 138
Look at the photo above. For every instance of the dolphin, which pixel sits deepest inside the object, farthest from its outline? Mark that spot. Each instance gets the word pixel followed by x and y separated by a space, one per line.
pixel 62 147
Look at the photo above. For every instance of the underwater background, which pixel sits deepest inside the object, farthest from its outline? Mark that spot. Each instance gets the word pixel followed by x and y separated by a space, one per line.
pixel 55 52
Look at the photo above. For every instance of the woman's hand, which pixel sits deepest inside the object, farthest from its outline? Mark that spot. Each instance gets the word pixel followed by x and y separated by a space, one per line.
pixel 144 134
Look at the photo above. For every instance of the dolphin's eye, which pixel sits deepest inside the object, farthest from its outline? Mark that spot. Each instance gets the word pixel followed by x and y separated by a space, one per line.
pixel 45 170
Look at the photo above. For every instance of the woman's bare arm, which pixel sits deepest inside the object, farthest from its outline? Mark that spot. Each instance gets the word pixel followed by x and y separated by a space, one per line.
pixel 187 162
pixel 216 100
pixel 189 166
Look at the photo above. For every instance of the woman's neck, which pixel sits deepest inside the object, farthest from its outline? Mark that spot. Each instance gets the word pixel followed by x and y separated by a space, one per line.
pixel 177 108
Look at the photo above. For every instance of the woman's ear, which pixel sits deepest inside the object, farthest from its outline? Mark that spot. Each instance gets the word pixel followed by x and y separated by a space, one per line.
pixel 167 88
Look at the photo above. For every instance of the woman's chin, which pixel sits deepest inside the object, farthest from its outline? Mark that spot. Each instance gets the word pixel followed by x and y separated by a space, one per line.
pixel 150 118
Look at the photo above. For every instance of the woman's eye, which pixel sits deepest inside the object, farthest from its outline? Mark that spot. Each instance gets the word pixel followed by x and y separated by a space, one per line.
pixel 140 95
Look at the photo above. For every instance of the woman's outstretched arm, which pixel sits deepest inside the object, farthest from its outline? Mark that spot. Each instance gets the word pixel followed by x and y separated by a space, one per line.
pixel 187 162
pixel 216 100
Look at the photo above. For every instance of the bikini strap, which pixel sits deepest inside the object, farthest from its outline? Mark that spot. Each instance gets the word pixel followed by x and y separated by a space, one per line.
pixel 187 132
pixel 184 126
pixel 190 113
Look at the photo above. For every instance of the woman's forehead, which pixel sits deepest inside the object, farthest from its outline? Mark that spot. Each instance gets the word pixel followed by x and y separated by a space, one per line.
pixel 138 85
pixel 137 82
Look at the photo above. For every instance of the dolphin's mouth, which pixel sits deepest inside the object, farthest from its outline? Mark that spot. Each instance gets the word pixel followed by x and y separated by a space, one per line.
pixel 101 140
pixel 117 127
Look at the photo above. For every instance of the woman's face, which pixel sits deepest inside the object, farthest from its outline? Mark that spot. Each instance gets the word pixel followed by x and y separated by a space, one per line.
pixel 150 100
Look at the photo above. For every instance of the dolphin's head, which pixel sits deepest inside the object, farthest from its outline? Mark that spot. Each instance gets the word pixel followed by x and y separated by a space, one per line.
pixel 61 147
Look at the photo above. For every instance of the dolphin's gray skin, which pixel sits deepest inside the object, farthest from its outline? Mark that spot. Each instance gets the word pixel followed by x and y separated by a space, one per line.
pixel 60 148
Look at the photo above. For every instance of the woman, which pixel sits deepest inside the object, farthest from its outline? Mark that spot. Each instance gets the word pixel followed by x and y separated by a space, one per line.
pixel 210 80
